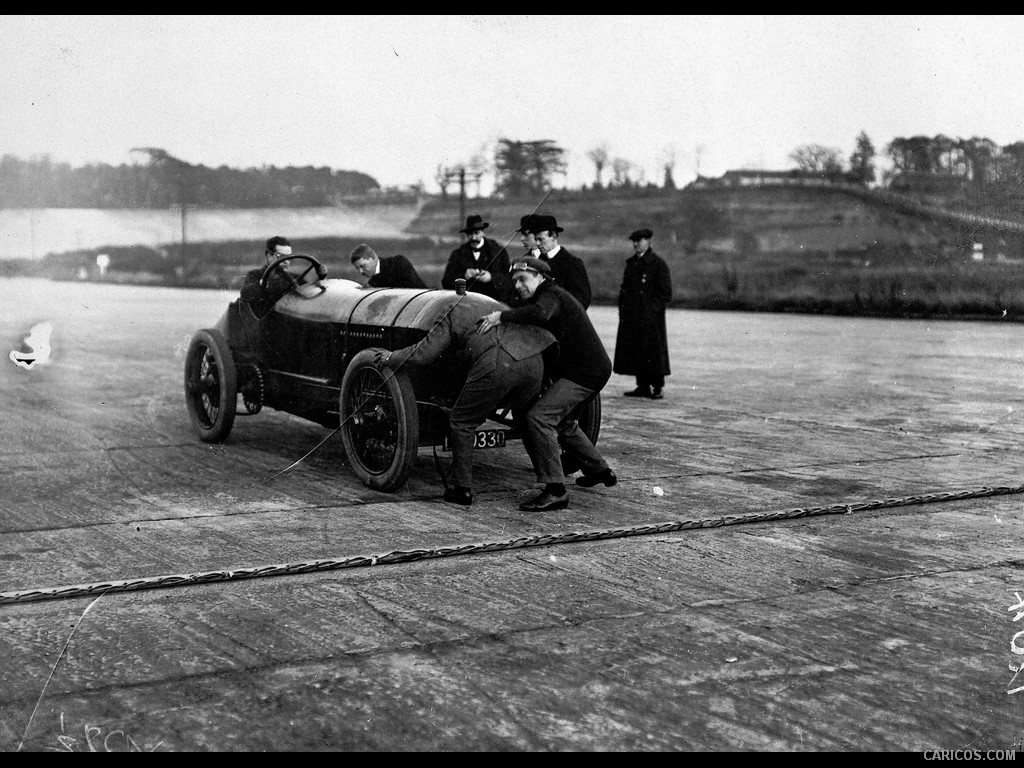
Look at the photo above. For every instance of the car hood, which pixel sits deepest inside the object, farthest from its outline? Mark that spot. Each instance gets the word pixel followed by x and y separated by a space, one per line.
pixel 344 301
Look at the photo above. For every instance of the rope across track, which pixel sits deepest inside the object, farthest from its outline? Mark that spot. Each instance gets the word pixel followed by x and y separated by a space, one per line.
pixel 542 540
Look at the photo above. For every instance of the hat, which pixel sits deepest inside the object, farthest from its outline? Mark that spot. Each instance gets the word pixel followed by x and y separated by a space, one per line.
pixel 474 223
pixel 530 264
pixel 528 223
pixel 542 223
pixel 639 234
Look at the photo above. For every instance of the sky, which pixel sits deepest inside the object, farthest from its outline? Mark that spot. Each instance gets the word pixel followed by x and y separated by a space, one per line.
pixel 398 96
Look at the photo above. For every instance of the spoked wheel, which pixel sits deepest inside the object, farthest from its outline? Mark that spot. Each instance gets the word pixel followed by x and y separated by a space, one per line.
pixel 379 423
pixel 590 424
pixel 211 388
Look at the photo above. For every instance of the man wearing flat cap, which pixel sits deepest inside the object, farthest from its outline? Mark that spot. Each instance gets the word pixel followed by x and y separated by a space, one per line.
pixel 568 270
pixel 580 371
pixel 641 344
pixel 481 261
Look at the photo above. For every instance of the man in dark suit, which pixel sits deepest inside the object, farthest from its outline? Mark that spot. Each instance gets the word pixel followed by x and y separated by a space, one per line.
pixel 567 270
pixel 527 237
pixel 393 272
pixel 481 262
pixel 641 344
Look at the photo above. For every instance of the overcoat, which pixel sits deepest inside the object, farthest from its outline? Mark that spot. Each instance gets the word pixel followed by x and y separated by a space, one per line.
pixel 641 344
pixel 493 258
pixel 570 272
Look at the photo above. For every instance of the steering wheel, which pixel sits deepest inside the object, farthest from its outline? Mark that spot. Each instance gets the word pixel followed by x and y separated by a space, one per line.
pixel 296 282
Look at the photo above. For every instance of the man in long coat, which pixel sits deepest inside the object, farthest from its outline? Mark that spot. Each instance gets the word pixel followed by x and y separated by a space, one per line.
pixel 641 345
pixel 481 261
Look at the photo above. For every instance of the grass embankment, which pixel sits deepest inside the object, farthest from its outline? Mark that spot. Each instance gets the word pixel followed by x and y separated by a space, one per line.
pixel 882 282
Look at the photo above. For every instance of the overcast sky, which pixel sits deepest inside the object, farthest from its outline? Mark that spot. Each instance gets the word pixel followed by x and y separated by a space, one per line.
pixel 396 96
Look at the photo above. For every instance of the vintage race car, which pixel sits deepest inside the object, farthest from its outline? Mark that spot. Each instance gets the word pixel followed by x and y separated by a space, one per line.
pixel 312 356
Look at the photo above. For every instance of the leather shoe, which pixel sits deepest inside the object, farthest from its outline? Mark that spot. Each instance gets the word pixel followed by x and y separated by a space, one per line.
pixel 459 495
pixel 545 501
pixel 657 394
pixel 639 392
pixel 605 476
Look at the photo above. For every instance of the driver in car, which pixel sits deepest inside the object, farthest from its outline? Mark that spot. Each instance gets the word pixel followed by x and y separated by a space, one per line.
pixel 262 298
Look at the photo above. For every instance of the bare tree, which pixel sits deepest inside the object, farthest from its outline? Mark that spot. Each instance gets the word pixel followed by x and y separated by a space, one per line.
pixel 669 163
pixel 815 158
pixel 620 172
pixel 599 156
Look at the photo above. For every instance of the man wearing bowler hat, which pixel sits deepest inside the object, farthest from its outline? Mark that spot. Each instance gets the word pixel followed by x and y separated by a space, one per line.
pixel 567 270
pixel 641 344
pixel 527 237
pixel 578 374
pixel 481 261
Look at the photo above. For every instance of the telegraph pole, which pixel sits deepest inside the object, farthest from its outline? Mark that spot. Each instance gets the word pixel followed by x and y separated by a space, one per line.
pixel 462 194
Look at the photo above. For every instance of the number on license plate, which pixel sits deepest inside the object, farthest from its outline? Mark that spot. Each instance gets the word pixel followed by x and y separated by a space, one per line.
pixel 485 438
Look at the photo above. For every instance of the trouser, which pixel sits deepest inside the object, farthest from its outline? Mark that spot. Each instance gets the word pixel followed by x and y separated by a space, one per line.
pixel 547 427
pixel 495 379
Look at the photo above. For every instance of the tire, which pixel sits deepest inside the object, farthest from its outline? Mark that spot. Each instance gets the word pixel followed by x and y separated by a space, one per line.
pixel 590 424
pixel 379 423
pixel 211 386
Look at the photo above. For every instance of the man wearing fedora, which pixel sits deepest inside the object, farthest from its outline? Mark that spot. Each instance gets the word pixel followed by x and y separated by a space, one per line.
pixel 641 344
pixel 481 261
pixel 568 270
pixel 577 374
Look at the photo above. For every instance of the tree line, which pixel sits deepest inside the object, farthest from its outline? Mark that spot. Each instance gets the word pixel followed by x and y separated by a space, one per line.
pixel 519 168
pixel 163 181
pixel 976 159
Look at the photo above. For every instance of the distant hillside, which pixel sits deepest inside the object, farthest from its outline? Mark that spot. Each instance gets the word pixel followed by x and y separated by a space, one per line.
pixel 723 221
pixel 34 233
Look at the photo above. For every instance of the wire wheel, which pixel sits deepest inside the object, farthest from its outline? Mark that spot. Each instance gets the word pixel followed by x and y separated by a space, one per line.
pixel 210 386
pixel 379 423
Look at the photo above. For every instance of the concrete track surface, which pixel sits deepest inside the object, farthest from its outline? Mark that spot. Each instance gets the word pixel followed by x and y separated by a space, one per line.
pixel 884 629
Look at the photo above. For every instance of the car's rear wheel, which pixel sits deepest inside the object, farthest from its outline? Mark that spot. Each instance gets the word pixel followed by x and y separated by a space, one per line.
pixel 211 390
pixel 589 422
pixel 379 423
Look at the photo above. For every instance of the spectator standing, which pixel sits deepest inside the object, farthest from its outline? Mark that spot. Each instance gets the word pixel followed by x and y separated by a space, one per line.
pixel 481 261
pixel 507 368
pixel 567 270
pixel 393 272
pixel 580 371
pixel 641 344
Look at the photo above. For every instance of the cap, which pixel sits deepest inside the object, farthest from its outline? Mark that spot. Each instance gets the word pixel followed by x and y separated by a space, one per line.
pixel 530 264
pixel 638 234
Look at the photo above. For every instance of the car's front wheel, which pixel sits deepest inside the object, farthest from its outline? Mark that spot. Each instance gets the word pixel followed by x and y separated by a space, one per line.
pixel 211 389
pixel 379 422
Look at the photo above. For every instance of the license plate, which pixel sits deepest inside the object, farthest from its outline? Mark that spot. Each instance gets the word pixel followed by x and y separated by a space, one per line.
pixel 485 438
